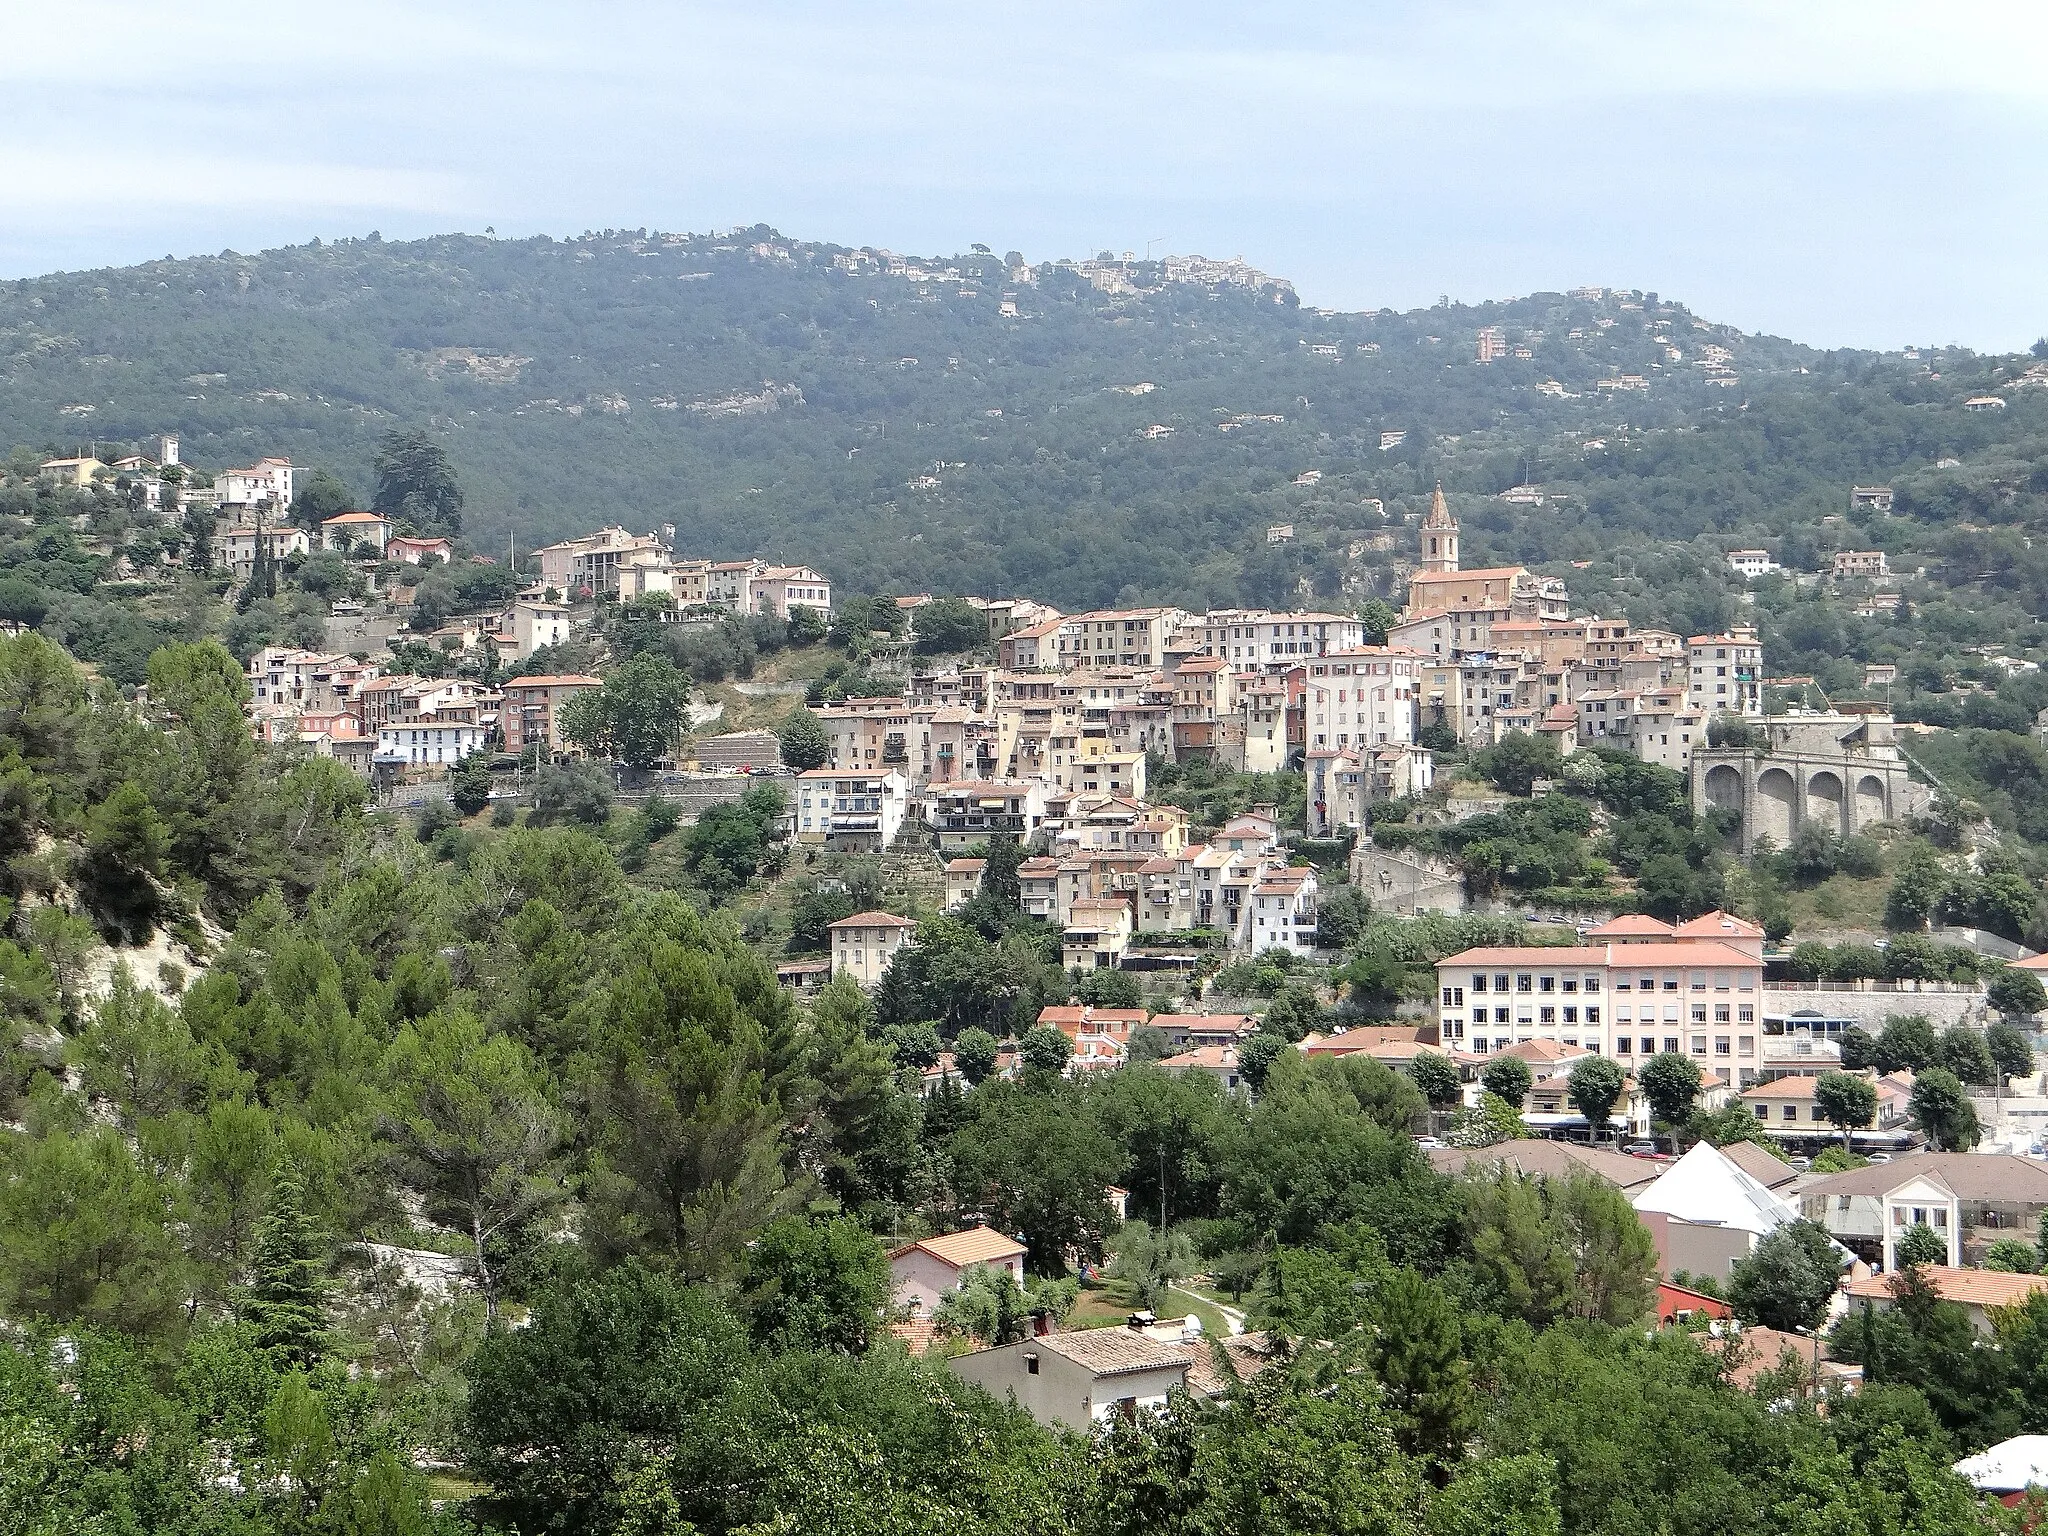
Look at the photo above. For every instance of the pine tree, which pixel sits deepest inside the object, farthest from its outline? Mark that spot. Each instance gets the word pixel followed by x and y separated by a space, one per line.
pixel 288 1296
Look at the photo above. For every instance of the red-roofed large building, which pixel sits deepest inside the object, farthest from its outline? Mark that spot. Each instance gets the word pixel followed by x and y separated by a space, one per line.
pixel 1629 998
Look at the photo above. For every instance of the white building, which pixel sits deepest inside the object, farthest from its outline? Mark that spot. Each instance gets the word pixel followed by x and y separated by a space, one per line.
pixel 1283 911
pixel 272 481
pixel 420 744
pixel 236 549
pixel 356 532
pixel 1362 698
pixel 536 624
pixel 963 813
pixel 853 812
pixel 1725 673
pixel 1751 563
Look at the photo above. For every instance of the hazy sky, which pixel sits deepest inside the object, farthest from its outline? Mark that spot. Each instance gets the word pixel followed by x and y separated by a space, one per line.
pixel 1866 173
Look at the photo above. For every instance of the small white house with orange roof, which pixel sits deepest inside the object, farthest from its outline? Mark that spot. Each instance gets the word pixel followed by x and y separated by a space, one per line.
pixel 921 1273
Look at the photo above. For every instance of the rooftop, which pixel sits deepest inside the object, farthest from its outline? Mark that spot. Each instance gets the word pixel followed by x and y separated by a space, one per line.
pixel 1967 1287
pixel 973 1245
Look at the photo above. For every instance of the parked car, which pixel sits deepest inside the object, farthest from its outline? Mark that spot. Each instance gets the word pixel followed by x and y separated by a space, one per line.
pixel 1429 1143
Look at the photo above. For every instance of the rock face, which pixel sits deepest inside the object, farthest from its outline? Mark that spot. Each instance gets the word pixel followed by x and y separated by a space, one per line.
pixel 439 1276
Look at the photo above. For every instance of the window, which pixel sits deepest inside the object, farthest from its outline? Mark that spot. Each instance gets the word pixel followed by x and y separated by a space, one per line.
pixel 1699 1045
pixel 1721 1045
pixel 1791 1112
pixel 1593 981
pixel 1500 1016
pixel 1671 1042
pixel 1649 1045
pixel 1670 984
pixel 1720 1013
pixel 1745 1013
pixel 1763 1112
pixel 1592 1015
pixel 1546 983
pixel 1525 983
pixel 1546 1015
pixel 1571 1016
pixel 1500 983
pixel 1031 1362
pixel 1571 984
pixel 1699 1013
pixel 1622 1046
pixel 1479 982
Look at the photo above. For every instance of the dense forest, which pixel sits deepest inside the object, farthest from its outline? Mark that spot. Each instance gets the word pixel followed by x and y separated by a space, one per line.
pixel 903 432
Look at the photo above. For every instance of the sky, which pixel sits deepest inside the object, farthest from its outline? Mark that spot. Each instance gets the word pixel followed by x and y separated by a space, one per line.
pixel 1845 174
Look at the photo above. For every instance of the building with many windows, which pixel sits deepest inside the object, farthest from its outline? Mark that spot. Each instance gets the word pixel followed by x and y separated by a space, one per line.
pixel 851 812
pixel 1696 988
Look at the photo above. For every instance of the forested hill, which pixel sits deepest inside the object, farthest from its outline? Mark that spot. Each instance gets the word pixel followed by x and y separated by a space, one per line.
pixel 904 431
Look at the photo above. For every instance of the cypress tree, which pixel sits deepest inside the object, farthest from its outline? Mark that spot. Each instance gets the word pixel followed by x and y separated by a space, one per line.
pixel 288 1294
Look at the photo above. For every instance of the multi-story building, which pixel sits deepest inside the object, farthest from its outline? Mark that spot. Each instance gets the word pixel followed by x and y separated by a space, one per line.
pixel 360 533
pixel 423 744
pixel 782 591
pixel 1695 988
pixel 1250 638
pixel 1751 563
pixel 864 944
pixel 1725 673
pixel 850 811
pixel 267 482
pixel 307 681
pixel 965 813
pixel 1364 698
pixel 407 550
pixel 1133 637
pixel 530 717
pixel 1861 564
pixel 1097 935
pixel 531 625
pixel 1283 911
pixel 592 563
pixel 236 548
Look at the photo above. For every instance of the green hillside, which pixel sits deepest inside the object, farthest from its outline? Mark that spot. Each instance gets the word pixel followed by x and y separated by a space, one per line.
pixel 903 432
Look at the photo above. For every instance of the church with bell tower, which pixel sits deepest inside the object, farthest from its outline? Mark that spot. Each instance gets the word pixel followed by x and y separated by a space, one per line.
pixel 1439 537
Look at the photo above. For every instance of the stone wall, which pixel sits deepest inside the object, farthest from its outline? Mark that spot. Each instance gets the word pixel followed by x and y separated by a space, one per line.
pixel 1407 883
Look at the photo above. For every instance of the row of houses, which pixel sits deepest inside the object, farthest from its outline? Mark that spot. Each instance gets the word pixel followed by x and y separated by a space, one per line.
pixel 633 565
pixel 368 720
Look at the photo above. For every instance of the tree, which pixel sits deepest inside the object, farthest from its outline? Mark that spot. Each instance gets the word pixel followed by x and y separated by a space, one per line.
pixel 1486 1124
pixel 636 718
pixel 1595 1085
pixel 1944 1111
pixel 2012 1256
pixel 580 792
pixel 1962 1050
pixel 816 1285
pixel 1341 916
pixel 1509 1079
pixel 1847 1100
pixel 1256 1056
pixel 1518 761
pixel 469 784
pixel 1436 1079
pixel 319 496
pixel 287 1300
pixel 2016 994
pixel 987 1305
pixel 1378 616
pixel 1105 987
pixel 1150 1260
pixel 416 483
pixel 1045 1049
pixel 1418 1356
pixel 608 1363
pixel 1905 1044
pixel 948 624
pixel 805 742
pixel 2012 1054
pixel 1788 1279
pixel 1918 885
pixel 1921 1244
pixel 974 1053
pixel 475 1134
pixel 125 846
pixel 1671 1082
pixel 1859 1049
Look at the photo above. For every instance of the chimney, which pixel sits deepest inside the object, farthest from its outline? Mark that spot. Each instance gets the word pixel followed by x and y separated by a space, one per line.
pixel 1041 1324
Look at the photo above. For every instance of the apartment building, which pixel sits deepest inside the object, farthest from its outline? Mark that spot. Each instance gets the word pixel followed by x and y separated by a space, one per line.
pixel 962 814
pixel 530 716
pixel 1725 673
pixel 1249 639
pixel 530 625
pixel 1364 697
pixel 1133 637
pixel 592 563
pixel 1695 991
pixel 783 591
pixel 1283 912
pixel 1656 724
pixel 236 548
pixel 281 677
pixel 422 743
pixel 849 811
pixel 864 944
pixel 1861 564
pixel 267 482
